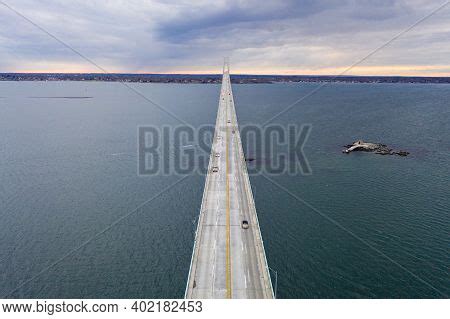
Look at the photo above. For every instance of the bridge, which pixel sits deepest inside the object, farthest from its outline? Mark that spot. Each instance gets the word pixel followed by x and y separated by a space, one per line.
pixel 228 259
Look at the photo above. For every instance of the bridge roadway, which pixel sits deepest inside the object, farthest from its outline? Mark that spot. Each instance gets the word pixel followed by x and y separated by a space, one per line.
pixel 228 261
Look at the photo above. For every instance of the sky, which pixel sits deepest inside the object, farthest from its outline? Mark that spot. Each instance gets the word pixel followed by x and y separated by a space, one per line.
pixel 260 36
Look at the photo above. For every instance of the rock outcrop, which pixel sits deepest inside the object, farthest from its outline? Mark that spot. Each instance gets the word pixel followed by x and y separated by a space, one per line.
pixel 376 148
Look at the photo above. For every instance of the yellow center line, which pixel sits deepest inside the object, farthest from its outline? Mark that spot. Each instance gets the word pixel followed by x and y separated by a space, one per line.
pixel 228 261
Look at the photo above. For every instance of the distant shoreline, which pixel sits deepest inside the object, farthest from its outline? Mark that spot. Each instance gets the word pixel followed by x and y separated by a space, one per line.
pixel 216 78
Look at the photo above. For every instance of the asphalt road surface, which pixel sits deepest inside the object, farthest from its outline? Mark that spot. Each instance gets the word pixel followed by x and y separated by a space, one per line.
pixel 228 260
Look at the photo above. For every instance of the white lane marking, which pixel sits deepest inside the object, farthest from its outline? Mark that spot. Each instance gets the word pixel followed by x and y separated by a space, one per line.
pixel 214 252
pixel 245 280
pixel 214 268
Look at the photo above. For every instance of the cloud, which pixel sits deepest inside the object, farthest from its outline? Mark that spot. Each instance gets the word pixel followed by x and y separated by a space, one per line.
pixel 302 36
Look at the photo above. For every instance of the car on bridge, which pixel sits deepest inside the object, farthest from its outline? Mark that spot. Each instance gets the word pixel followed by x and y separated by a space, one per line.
pixel 215 169
pixel 245 224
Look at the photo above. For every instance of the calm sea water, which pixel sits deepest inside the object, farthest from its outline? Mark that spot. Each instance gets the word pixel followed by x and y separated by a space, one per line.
pixel 68 170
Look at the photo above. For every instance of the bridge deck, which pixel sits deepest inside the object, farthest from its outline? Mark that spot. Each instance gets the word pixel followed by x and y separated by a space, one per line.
pixel 228 261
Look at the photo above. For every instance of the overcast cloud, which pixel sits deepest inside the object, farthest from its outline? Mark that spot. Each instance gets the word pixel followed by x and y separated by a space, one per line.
pixel 265 37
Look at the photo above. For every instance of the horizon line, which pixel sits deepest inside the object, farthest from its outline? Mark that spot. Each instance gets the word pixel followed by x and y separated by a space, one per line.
pixel 245 74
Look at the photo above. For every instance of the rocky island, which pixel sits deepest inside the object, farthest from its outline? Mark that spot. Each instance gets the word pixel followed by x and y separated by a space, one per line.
pixel 376 148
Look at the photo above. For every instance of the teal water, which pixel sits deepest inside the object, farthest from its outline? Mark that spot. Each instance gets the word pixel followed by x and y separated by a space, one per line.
pixel 68 171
